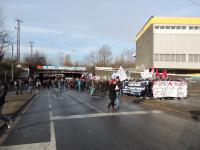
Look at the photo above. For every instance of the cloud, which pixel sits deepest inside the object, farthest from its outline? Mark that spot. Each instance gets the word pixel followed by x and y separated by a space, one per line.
pixel 39 30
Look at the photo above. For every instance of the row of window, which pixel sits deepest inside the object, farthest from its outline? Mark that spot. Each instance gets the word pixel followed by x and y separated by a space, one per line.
pixel 177 57
pixel 178 27
pixel 194 58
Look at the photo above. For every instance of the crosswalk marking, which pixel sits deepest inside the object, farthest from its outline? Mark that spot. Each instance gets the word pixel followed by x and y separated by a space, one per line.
pixel 105 115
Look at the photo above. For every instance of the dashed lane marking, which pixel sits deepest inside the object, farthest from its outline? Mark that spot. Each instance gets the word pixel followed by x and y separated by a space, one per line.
pixel 105 115
pixel 37 146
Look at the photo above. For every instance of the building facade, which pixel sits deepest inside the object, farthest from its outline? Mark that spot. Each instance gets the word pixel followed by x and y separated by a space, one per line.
pixel 169 42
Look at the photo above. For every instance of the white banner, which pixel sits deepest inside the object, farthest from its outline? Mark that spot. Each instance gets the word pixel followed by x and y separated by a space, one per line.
pixel 169 89
pixel 146 74
pixel 122 74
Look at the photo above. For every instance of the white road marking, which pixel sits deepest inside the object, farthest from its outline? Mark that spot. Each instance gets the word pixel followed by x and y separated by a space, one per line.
pixel 92 107
pixel 60 98
pixel 37 146
pixel 105 114
pixel 97 97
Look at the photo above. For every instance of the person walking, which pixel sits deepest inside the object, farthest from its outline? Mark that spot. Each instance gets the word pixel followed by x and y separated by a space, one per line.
pixel 3 93
pixel 30 85
pixel 112 94
pixel 17 86
pixel 21 86
pixel 118 91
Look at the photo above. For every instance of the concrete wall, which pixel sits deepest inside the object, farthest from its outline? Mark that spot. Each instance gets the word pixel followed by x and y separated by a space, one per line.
pixel 175 42
pixel 144 50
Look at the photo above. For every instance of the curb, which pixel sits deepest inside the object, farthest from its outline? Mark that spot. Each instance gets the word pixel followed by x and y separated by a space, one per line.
pixel 14 115
pixel 185 114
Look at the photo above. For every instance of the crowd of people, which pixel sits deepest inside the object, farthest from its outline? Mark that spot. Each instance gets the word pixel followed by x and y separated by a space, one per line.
pixel 111 87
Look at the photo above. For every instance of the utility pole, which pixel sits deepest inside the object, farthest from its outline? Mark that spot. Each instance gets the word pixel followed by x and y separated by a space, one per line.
pixel 12 74
pixel 31 46
pixel 18 39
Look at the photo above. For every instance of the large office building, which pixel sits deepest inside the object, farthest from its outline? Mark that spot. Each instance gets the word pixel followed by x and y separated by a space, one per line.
pixel 169 42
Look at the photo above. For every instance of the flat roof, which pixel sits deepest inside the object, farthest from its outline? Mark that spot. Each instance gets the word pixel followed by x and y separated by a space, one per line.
pixel 168 20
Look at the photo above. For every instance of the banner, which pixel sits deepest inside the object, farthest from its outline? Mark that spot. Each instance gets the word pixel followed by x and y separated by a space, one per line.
pixel 146 74
pixel 122 74
pixel 169 89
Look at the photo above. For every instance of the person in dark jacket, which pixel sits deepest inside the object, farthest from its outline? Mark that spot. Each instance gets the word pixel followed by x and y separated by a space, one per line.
pixel 118 91
pixel 3 93
pixel 112 94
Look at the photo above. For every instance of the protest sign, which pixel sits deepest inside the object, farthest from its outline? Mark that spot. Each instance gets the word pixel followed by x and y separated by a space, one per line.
pixel 169 89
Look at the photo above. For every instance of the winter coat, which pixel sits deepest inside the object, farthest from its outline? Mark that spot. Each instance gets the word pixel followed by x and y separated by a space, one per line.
pixel 3 93
pixel 112 92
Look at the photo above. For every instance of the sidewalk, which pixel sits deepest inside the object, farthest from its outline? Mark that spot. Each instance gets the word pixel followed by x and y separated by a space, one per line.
pixel 15 102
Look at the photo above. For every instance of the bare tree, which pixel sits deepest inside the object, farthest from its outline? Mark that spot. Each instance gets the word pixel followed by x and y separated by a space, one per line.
pixel 4 41
pixel 125 59
pixel 92 58
pixel 36 59
pixel 104 56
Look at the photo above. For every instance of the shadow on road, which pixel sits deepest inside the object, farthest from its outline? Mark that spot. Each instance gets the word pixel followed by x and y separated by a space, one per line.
pixel 138 100
pixel 195 115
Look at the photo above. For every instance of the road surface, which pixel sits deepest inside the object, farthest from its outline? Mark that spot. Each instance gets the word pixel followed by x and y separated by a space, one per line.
pixel 77 121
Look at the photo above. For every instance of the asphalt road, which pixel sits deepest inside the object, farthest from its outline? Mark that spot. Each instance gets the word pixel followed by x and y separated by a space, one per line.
pixel 77 121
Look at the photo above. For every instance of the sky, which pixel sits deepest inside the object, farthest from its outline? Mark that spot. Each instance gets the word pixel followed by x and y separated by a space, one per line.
pixel 75 27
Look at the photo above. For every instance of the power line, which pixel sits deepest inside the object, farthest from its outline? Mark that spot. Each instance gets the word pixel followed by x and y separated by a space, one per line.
pixel 194 2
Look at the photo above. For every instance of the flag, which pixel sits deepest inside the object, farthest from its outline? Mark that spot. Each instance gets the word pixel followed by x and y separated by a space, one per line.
pixel 152 70
pixel 157 73
pixel 166 73
pixel 163 74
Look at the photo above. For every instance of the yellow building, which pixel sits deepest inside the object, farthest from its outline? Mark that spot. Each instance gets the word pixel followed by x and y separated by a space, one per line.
pixel 169 42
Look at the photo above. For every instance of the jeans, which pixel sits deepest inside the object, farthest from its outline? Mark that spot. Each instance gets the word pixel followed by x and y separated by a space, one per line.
pixel 30 89
pixel 92 91
pixel 117 99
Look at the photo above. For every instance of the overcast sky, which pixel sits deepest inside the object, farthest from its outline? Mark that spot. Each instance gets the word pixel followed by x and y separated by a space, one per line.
pixel 61 26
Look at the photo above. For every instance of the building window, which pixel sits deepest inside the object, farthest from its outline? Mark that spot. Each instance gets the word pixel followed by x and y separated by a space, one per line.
pixel 183 57
pixel 183 27
pixel 162 27
pixel 168 27
pixel 178 27
pixel 173 57
pixel 196 57
pixel 196 28
pixel 178 57
pixel 199 57
pixel 173 27
pixel 156 57
pixel 191 58
pixel 162 57
pixel 156 27
pixel 167 57
pixel 191 27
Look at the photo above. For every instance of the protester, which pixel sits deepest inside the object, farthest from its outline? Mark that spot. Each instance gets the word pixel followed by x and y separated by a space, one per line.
pixel 3 93
pixel 21 86
pixel 17 86
pixel 112 94
pixel 38 84
pixel 118 91
pixel 92 89
pixel 30 85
